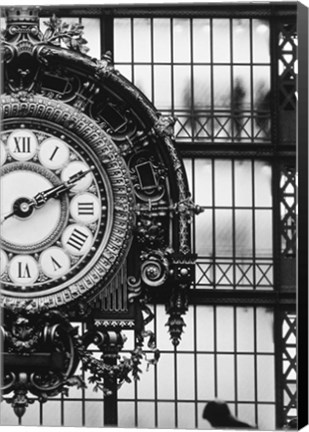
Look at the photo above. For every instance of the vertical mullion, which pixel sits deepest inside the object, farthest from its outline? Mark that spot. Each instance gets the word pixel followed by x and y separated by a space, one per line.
pixel 235 358
pixel 211 80
pixel 232 76
pixel 253 226
pixel 251 80
pixel 213 223
pixel 132 50
pixel 255 365
pixel 176 387
pixel 195 347
pixel 215 353
pixel 233 224
pixel 192 113
pixel 155 372
pixel 152 58
pixel 172 66
pixel 41 413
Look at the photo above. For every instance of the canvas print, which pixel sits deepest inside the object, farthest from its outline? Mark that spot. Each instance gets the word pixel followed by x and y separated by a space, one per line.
pixel 148 215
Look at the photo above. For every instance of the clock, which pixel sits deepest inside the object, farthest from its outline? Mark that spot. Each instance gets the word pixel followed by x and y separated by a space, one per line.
pixel 66 205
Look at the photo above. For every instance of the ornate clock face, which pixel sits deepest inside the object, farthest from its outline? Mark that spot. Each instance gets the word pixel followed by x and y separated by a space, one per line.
pixel 57 214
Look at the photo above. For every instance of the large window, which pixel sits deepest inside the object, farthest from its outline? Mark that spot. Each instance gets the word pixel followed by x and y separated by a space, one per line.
pixel 228 76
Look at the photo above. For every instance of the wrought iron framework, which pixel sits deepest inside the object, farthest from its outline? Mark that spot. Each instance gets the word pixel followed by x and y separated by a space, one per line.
pixel 254 288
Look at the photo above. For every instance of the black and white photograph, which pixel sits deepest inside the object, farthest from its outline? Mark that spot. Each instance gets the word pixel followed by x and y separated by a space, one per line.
pixel 149 215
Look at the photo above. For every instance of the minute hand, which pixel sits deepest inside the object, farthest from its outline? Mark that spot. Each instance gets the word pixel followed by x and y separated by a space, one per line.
pixel 42 197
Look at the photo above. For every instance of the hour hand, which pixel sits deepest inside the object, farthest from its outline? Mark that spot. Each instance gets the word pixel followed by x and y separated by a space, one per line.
pixel 42 197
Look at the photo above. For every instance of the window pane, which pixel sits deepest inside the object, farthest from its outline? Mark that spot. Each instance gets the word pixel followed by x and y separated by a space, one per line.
pixel 262 184
pixel 166 377
pixel 265 330
pixel 185 376
pixel 122 40
pixel 241 90
pixel 226 377
pixel 222 87
pixel 263 233
pixel 162 87
pixel 141 28
pixel 72 413
pixel 94 414
pixel 243 237
pixel 223 183
pixel 245 329
pixel 266 378
pixel 181 40
pixel 143 79
pixel 261 42
pixel 201 82
pixel 146 414
pixel 221 40
pixel 162 40
pixel 241 40
pixel 205 328
pixel 166 415
pixel 243 183
pixel 186 415
pixel 206 376
pixel 182 87
pixel 126 414
pixel 225 328
pixel 92 35
pixel 204 234
pixel 246 377
pixel 201 40
pixel 187 338
pixel 224 238
pixel 203 182
pixel 266 417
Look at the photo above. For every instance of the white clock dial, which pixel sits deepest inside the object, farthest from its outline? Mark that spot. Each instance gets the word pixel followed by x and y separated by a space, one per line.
pixel 3 261
pixel 22 144
pixel 54 153
pixel 40 223
pixel 77 239
pixel 23 269
pixel 55 262
pixel 3 153
pixel 85 208
pixel 73 168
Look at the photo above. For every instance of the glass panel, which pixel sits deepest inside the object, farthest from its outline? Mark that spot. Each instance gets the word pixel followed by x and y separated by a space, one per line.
pixel 245 329
pixel 143 80
pixel 266 378
pixel 261 88
pixel 246 412
pixel 201 40
pixel 166 415
pixel 243 237
pixel 162 39
pixel 222 87
pixel 201 82
pixel 186 415
pixel 187 338
pixel 262 184
pixel 245 377
pixel 72 413
pixel 122 40
pixel 265 330
pixel 31 416
pixel 181 40
pixel 205 328
pixel 94 414
pixel 241 40
pixel 263 233
pixel 51 413
pixel 125 70
pixel 224 239
pixel 241 89
pixel 145 386
pixel 226 377
pixel 260 42
pixel 206 376
pixel 146 414
pixel 92 30
pixel 225 328
pixel 203 237
pixel 182 87
pixel 185 376
pixel 202 423
pixel 166 377
pixel 243 183
pixel 203 182
pixel 266 417
pixel 126 416
pixel 162 87
pixel 141 28
pixel 223 183
pixel 221 41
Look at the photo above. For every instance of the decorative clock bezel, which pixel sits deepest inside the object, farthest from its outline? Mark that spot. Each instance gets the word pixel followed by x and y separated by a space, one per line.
pixel 39 112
